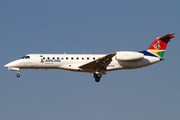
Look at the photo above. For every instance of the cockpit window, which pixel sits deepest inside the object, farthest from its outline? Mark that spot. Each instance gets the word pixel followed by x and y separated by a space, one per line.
pixel 25 57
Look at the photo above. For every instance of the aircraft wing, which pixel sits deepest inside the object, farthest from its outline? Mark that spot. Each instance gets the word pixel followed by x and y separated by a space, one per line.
pixel 102 62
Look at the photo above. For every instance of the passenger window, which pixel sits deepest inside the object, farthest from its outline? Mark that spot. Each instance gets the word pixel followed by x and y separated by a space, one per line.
pixel 48 58
pixel 72 58
pixel 77 58
pixel 44 58
pixel 58 58
pixel 93 58
pixel 67 58
pixel 62 58
pixel 53 58
pixel 87 58
pixel 82 58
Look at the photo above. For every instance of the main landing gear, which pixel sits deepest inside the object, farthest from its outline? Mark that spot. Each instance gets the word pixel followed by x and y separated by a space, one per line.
pixel 97 76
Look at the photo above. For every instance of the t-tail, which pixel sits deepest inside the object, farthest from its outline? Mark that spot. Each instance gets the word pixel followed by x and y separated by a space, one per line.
pixel 158 47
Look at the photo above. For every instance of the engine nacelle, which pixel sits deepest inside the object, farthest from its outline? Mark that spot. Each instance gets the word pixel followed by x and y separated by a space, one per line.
pixel 129 56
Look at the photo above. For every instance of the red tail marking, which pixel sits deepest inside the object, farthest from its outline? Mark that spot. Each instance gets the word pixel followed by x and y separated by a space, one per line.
pixel 158 45
pixel 171 37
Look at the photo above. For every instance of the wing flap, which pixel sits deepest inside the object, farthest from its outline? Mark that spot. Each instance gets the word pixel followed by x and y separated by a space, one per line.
pixel 102 62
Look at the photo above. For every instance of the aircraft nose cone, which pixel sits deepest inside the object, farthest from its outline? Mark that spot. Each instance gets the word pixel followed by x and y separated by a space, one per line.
pixel 6 66
pixel 11 64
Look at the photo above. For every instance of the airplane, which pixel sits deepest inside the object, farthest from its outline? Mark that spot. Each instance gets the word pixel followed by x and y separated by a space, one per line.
pixel 97 64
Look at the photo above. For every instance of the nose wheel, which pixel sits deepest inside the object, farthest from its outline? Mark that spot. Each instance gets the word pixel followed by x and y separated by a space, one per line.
pixel 18 75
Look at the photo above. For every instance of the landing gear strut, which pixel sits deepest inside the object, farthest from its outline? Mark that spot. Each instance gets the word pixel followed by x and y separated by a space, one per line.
pixel 97 76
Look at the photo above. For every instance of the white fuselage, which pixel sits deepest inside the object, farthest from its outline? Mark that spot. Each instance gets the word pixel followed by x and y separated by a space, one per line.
pixel 97 64
pixel 73 61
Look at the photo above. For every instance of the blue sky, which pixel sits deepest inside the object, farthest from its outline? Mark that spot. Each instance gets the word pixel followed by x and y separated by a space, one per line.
pixel 102 27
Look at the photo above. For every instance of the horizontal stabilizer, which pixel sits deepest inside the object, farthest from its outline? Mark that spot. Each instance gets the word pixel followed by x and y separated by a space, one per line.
pixel 167 37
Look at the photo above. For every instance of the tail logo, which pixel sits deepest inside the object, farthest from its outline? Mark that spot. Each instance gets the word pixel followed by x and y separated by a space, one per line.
pixel 157 45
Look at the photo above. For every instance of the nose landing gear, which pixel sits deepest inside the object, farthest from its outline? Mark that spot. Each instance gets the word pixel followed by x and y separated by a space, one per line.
pixel 18 74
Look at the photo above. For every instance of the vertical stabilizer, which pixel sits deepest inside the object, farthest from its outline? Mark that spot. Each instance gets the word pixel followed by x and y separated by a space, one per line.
pixel 158 47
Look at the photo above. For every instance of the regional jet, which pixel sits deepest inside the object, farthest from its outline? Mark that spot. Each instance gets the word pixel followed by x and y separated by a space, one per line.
pixel 98 64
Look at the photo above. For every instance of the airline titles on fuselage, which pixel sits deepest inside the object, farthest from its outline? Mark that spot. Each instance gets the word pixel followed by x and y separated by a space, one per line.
pixel 48 60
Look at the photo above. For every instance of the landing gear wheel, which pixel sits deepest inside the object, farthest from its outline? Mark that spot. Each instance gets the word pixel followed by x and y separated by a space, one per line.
pixel 99 75
pixel 97 79
pixel 18 75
